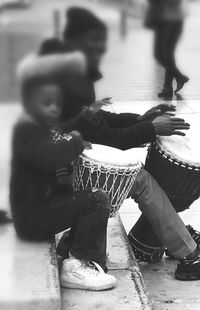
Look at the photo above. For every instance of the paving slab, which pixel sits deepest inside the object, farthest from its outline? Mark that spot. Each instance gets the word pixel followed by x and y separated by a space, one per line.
pixel 28 273
pixel 165 292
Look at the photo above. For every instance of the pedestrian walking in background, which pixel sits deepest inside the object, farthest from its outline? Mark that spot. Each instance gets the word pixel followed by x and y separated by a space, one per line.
pixel 166 18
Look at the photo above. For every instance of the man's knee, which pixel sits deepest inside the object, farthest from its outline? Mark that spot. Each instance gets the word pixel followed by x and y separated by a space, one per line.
pixel 142 182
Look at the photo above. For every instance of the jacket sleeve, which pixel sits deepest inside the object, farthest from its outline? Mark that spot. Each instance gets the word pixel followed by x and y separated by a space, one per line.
pixel 41 151
pixel 85 122
pixel 121 120
pixel 125 138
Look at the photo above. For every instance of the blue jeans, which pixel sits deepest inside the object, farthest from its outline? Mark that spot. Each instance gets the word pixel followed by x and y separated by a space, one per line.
pixel 161 215
pixel 87 212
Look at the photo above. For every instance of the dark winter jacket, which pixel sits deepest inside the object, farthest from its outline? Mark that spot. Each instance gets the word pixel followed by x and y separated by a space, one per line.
pixel 37 153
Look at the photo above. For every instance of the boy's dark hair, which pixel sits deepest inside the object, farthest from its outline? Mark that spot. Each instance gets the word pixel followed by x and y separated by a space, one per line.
pixel 81 21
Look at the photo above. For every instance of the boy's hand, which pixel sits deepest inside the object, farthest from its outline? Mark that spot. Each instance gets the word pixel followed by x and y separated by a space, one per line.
pixel 150 115
pixel 168 126
pixel 97 105
pixel 87 145
pixel 76 134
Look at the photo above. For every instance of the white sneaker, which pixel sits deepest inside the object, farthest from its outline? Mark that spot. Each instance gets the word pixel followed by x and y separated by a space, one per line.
pixel 86 276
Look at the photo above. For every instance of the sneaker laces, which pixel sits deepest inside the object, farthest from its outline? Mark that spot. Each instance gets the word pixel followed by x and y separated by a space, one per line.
pixel 96 266
pixel 195 234
pixel 92 268
pixel 189 261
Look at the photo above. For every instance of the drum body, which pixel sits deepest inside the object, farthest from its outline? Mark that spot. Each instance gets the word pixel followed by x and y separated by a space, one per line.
pixel 175 164
pixel 109 169
pixel 179 178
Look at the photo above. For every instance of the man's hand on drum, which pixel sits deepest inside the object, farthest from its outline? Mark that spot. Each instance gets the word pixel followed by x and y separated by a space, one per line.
pixel 98 105
pixel 87 145
pixel 168 126
pixel 161 109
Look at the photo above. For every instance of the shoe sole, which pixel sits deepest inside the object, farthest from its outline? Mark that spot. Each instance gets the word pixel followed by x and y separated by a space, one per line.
pixel 187 276
pixel 66 284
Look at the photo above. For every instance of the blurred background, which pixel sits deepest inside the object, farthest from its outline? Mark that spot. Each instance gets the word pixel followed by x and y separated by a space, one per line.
pixel 130 72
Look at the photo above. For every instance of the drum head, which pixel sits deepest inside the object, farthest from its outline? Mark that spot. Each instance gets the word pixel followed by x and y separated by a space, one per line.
pixel 187 148
pixel 112 156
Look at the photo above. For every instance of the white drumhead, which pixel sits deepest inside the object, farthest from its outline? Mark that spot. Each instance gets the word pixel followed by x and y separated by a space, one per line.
pixel 112 156
pixel 186 149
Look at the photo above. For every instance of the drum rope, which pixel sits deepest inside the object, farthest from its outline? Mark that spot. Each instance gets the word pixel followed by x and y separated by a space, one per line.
pixel 179 162
pixel 117 182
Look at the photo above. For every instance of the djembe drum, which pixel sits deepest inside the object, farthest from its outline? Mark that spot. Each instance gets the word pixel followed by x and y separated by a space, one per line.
pixel 174 162
pixel 107 168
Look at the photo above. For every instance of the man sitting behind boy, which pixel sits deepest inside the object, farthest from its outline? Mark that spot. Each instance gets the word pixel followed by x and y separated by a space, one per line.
pixel 39 205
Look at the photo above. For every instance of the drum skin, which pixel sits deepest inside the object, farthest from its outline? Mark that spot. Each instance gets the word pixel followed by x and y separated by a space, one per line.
pixel 180 181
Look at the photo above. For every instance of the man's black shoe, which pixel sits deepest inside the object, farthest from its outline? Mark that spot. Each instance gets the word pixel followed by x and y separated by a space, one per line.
pixel 195 234
pixel 188 270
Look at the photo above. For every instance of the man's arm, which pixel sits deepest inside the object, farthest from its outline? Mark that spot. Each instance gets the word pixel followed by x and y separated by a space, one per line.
pixel 120 120
pixel 85 122
pixel 124 138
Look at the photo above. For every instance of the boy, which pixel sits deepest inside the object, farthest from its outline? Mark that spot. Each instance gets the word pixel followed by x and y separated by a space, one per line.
pixel 40 206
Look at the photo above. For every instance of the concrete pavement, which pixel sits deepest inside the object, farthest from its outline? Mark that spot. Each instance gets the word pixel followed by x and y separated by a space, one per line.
pixel 166 292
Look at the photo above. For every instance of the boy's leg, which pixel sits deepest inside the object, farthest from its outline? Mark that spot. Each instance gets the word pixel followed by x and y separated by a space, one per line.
pixel 166 223
pixel 88 212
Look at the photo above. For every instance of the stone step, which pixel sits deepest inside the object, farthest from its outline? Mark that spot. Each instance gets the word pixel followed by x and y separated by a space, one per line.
pixel 28 273
pixel 130 292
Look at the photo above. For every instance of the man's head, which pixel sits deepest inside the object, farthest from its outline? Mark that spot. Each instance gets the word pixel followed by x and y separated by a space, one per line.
pixel 42 99
pixel 86 32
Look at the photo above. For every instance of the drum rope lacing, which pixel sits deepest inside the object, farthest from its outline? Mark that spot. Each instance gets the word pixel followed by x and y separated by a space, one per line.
pixel 127 175
pixel 141 254
pixel 179 162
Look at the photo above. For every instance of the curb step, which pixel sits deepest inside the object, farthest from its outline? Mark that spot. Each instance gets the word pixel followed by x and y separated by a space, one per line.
pixel 130 293
pixel 28 273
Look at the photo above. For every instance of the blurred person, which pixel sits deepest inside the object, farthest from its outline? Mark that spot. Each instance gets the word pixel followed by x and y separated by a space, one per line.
pixel 122 131
pixel 166 18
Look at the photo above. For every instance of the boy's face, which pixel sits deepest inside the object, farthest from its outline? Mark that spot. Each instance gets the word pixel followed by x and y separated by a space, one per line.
pixel 46 102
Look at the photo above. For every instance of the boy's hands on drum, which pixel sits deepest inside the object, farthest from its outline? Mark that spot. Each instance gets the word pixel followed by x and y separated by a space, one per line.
pixel 87 145
pixel 168 126
pixel 98 105
pixel 161 109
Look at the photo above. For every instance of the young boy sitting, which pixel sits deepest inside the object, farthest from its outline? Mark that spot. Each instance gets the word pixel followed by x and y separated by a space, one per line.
pixel 40 206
